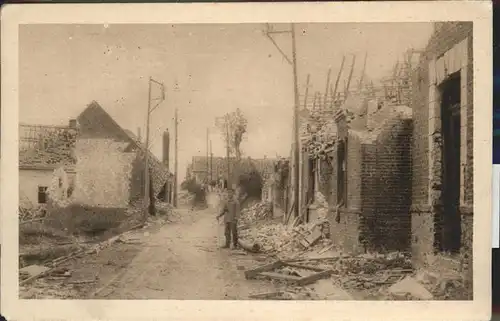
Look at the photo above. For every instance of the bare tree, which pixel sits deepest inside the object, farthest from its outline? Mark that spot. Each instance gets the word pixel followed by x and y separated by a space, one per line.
pixel 233 127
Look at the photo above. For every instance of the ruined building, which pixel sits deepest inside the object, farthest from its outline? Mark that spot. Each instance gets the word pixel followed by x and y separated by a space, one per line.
pixel 97 162
pixel 442 189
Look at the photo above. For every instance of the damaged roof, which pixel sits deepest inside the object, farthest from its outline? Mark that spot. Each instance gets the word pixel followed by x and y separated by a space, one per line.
pixel 43 146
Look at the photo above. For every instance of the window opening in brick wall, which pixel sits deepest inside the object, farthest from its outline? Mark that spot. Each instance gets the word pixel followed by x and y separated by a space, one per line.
pixel 341 170
pixel 450 220
pixel 42 194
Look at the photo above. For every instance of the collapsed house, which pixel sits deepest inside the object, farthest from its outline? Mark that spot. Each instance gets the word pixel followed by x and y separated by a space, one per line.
pixel 97 163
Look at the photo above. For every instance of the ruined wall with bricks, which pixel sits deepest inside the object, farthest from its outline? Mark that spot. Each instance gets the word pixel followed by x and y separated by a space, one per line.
pixel 345 222
pixel 378 184
pixel 393 185
pixel 103 173
pixel 324 176
pixel 426 175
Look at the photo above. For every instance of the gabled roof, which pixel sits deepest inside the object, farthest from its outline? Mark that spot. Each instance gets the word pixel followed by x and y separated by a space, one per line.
pixel 96 122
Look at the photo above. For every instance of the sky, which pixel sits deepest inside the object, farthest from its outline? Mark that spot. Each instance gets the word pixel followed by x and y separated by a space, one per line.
pixel 217 68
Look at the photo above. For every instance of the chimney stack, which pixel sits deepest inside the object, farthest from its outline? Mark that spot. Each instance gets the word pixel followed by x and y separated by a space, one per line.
pixel 139 138
pixel 166 148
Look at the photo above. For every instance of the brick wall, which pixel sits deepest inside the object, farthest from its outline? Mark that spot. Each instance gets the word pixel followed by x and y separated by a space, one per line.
pixel 447 35
pixel 324 177
pixel 102 163
pixel 345 226
pixel 354 172
pixel 369 192
pixel 393 185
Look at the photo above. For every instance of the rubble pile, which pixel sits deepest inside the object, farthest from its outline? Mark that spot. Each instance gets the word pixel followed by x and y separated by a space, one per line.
pixel 319 132
pixel 257 212
pixel 288 242
pixel 164 208
pixel 29 214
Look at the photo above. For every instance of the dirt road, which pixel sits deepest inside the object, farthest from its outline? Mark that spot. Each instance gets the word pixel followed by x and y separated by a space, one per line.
pixel 184 261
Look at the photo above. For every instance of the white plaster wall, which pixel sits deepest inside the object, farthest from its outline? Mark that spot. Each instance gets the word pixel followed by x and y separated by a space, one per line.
pixel 58 188
pixel 29 180
pixel 103 173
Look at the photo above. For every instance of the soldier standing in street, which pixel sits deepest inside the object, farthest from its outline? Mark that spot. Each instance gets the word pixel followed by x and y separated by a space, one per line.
pixel 231 212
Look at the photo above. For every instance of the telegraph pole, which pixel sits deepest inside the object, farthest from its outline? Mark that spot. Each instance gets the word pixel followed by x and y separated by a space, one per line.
pixel 227 151
pixel 296 125
pixel 146 151
pixel 208 156
pixel 176 172
pixel 296 152
pixel 211 162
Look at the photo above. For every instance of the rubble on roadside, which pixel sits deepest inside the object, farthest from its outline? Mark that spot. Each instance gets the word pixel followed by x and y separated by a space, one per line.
pixel 31 214
pixel 387 276
pixel 257 212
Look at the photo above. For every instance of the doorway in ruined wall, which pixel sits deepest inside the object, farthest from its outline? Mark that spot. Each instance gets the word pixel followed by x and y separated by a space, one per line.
pixel 449 220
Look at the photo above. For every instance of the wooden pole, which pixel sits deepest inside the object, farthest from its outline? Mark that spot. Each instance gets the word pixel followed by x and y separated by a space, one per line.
pixel 227 153
pixel 146 154
pixel 363 72
pixel 307 91
pixel 338 77
pixel 211 162
pixel 350 76
pixel 296 122
pixel 208 156
pixel 327 87
pixel 176 168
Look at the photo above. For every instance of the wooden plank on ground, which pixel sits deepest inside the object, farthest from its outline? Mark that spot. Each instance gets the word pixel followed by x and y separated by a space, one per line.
pixel 305 267
pixel 250 274
pixel 267 296
pixel 280 276
pixel 315 277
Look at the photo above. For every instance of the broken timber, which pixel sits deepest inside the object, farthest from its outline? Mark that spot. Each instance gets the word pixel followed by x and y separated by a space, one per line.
pixel 268 272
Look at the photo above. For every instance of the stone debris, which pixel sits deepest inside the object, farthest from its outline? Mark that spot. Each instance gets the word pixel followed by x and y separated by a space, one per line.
pixel 277 239
pixel 309 244
pixel 32 270
pixel 257 212
pixel 409 288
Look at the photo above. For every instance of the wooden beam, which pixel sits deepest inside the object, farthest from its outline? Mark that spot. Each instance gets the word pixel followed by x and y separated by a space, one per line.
pixel 338 77
pixel 304 267
pixel 307 91
pixel 360 85
pixel 315 277
pixel 250 274
pixel 350 77
pixel 280 276
pixel 327 86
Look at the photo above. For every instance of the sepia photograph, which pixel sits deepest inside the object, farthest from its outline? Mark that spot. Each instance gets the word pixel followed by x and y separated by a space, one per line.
pixel 258 160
